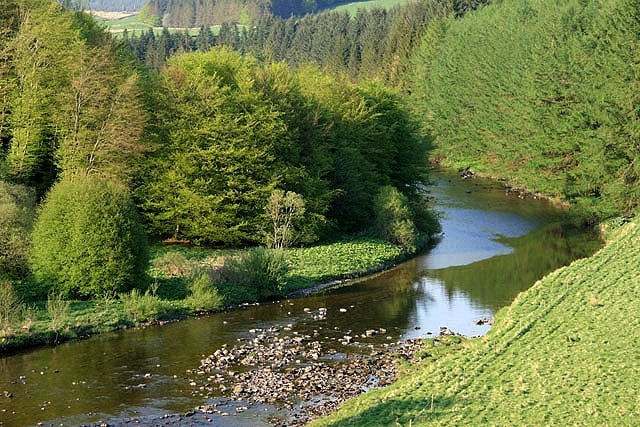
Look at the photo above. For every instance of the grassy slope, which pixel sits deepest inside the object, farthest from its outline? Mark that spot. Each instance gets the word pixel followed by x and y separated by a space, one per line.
pixel 564 353
pixel 131 23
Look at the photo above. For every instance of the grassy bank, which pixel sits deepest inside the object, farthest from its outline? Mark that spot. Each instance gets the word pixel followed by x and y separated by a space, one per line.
pixel 171 272
pixel 564 353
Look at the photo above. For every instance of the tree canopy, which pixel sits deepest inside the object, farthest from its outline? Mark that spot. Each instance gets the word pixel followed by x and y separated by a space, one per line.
pixel 233 131
pixel 541 93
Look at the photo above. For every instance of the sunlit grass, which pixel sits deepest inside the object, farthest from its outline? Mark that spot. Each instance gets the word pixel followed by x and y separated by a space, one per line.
pixel 564 353
pixel 353 7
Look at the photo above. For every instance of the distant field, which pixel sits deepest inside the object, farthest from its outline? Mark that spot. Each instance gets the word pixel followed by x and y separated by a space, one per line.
pixel 353 7
pixel 117 22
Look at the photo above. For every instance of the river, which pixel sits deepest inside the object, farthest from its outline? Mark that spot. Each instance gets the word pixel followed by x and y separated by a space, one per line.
pixel 494 245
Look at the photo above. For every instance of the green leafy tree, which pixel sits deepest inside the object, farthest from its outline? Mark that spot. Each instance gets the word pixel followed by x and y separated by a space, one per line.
pixel 87 239
pixel 394 219
pixel 284 210
pixel 219 161
pixel 39 53
pixel 17 212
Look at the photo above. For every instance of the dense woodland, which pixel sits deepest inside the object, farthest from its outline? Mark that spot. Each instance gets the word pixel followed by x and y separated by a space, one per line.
pixel 371 44
pixel 208 138
pixel 200 148
pixel 542 93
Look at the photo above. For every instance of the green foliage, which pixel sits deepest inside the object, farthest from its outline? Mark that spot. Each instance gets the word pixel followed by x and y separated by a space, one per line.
pixel 394 220
pixel 284 210
pixel 87 240
pixel 234 131
pixel 364 42
pixel 219 164
pixel 538 92
pixel 345 258
pixel 173 264
pixel 203 295
pixel 261 271
pixel 58 310
pixel 17 212
pixel 11 308
pixel 145 307
pixel 70 99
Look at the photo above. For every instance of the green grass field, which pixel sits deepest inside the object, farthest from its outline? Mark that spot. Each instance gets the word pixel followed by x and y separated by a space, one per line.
pixel 353 7
pixel 134 26
pixel 564 353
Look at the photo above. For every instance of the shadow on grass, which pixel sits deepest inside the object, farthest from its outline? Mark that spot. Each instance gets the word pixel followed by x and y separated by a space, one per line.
pixel 400 412
pixel 173 288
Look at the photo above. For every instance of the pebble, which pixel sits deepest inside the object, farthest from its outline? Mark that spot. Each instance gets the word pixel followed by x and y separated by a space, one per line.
pixel 298 373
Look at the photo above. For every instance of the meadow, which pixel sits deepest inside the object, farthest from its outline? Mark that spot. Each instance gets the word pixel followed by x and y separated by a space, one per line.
pixel 353 7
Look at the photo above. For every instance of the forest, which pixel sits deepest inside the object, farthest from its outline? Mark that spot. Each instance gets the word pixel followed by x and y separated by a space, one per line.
pixel 542 94
pixel 198 152
pixel 373 44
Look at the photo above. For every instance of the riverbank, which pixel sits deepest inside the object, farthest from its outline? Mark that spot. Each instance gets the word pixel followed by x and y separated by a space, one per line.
pixel 564 350
pixel 311 269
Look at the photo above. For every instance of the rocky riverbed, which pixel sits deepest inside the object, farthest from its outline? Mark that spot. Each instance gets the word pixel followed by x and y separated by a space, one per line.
pixel 297 374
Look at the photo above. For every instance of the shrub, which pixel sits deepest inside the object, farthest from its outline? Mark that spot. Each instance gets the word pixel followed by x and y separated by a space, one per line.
pixel 17 211
pixel 87 239
pixel 261 270
pixel 11 308
pixel 145 307
pixel 203 296
pixel 284 210
pixel 394 219
pixel 58 310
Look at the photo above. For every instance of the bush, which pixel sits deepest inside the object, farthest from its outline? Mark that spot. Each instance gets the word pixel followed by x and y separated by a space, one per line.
pixel 87 240
pixel 394 219
pixel 203 295
pixel 11 309
pixel 285 211
pixel 17 211
pixel 58 310
pixel 147 306
pixel 260 270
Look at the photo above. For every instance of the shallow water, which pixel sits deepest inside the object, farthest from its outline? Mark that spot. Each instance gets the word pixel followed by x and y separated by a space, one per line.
pixel 494 245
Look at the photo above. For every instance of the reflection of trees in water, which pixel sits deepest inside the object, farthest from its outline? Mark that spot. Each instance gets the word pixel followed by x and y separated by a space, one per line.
pixel 389 297
pixel 495 282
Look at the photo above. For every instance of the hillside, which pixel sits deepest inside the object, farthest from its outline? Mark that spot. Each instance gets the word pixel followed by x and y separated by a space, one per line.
pixel 541 93
pixel 564 353
pixel 115 5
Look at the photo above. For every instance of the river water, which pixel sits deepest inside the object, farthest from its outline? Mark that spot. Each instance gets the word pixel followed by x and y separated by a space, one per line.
pixel 494 245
